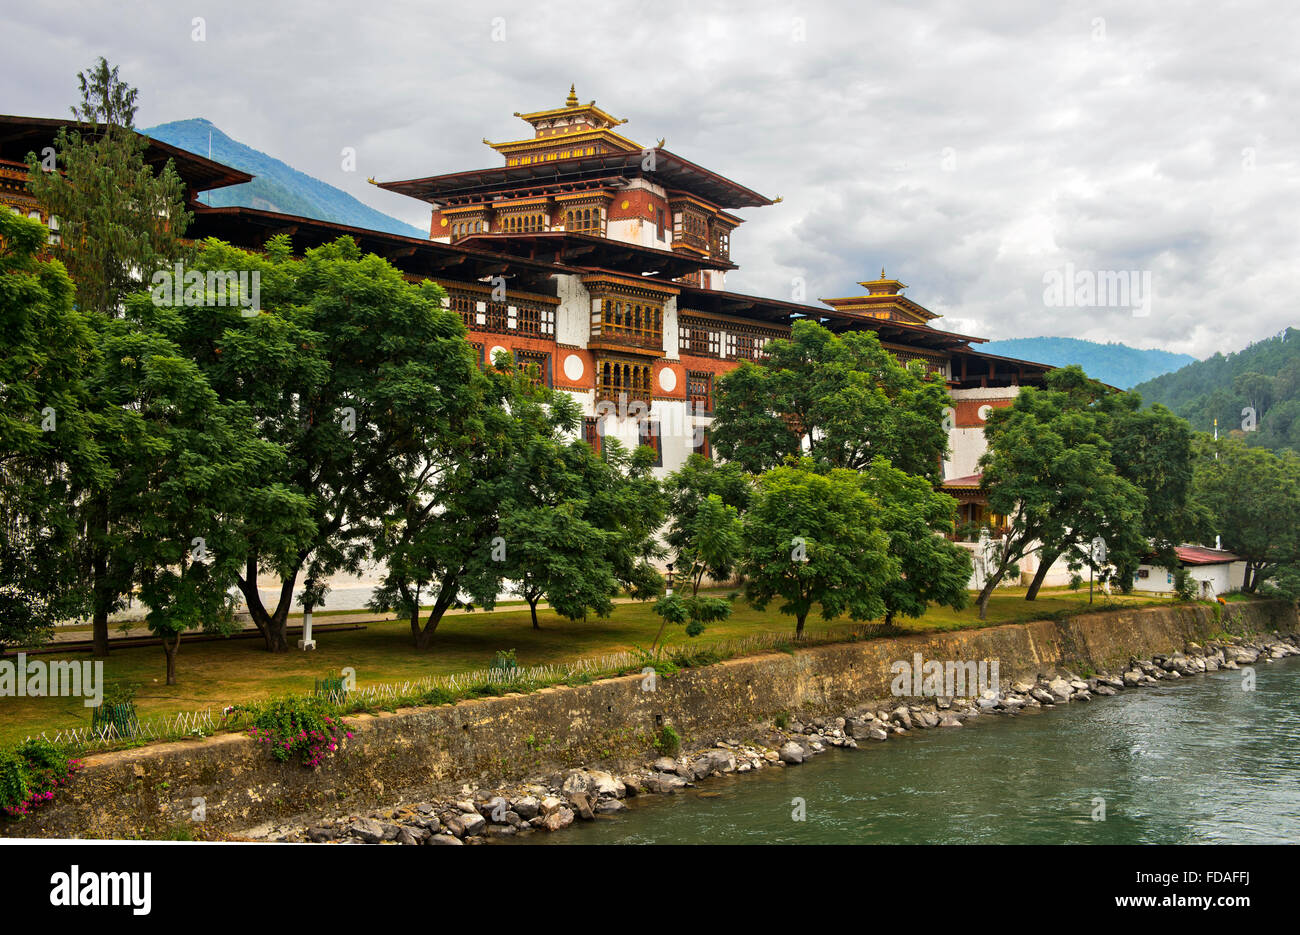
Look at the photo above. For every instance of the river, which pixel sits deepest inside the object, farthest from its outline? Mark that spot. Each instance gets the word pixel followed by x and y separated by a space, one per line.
pixel 1199 760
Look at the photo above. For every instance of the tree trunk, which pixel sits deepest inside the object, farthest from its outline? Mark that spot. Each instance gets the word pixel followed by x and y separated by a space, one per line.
pixel 446 597
pixel 798 625
pixel 170 651
pixel 987 591
pixel 532 607
pixel 1045 561
pixel 99 618
pixel 272 625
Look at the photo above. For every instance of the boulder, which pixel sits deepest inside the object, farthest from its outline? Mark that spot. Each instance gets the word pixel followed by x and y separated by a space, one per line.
pixel 473 823
pixel 369 830
pixel 664 783
pixel 527 807
pixel 576 781
pixel 551 804
pixel 1060 689
pixel 606 785
pixel 791 753
pixel 582 805
pixel 560 818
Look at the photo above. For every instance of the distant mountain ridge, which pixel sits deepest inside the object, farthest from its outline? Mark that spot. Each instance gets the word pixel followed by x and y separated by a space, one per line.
pixel 1112 363
pixel 1254 392
pixel 277 186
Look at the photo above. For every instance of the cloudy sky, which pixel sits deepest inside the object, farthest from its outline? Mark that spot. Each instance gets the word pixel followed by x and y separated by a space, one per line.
pixel 971 149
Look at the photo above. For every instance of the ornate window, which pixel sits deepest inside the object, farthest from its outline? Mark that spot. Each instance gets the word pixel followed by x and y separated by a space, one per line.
pixel 648 434
pixel 526 359
pixel 535 319
pixel 632 320
pixel 585 220
pixel 699 337
pixel 591 433
pixel 619 380
pixel 699 391
pixel 691 227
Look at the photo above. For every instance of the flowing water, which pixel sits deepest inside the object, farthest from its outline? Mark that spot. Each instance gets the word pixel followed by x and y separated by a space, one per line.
pixel 1197 760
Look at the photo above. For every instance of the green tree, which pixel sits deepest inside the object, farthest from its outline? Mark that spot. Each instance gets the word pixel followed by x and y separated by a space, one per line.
pixel 705 500
pixel 47 441
pixel 841 399
pixel 815 539
pixel 350 371
pixel 1253 498
pixel 1048 469
pixel 119 222
pixel 933 570
pixel 552 548
pixel 198 469
pixel 443 536
pixel 1152 449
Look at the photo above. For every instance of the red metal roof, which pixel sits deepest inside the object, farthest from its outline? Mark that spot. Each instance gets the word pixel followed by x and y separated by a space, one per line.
pixel 1196 555
pixel 970 480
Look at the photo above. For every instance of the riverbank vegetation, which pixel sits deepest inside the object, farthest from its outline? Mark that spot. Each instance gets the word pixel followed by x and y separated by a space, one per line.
pixel 226 672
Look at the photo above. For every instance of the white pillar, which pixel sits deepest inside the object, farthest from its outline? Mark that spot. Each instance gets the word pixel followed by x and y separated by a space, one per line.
pixel 306 642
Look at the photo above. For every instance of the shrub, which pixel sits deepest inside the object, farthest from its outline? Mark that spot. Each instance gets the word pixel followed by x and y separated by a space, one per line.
pixel 669 742
pixel 307 728
pixel 29 774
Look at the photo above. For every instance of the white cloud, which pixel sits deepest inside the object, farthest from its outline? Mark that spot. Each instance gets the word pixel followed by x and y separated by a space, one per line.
pixel 968 148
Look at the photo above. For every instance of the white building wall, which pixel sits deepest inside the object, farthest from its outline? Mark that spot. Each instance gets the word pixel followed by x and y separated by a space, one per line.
pixel 573 315
pixel 1211 580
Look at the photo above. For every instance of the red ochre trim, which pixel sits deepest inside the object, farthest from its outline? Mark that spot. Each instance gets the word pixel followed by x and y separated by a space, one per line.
pixel 679 391
pixel 968 411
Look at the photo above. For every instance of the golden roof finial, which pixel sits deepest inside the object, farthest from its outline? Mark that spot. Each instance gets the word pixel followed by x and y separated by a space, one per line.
pixel 572 100
pixel 882 272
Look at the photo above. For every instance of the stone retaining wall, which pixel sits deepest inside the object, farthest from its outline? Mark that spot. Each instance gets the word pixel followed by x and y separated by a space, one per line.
pixel 425 752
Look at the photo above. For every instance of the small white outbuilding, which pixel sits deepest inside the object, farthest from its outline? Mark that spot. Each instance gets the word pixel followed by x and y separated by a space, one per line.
pixel 1212 569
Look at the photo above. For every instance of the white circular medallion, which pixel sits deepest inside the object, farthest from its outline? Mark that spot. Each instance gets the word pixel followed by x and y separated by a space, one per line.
pixel 983 413
pixel 667 380
pixel 492 354
pixel 573 367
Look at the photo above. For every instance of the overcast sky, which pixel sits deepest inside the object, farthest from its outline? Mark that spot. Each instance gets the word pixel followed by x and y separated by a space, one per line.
pixel 971 149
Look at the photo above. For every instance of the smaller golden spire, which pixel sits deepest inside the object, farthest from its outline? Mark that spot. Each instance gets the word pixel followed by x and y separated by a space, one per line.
pixel 572 99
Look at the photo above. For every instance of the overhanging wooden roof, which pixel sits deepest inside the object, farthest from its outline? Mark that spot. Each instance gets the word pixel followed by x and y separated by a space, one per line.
pixel 252 227
pixel 22 135
pixel 670 170
pixel 589 250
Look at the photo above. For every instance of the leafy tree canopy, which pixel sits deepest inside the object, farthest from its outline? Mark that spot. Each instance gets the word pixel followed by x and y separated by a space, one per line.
pixel 841 399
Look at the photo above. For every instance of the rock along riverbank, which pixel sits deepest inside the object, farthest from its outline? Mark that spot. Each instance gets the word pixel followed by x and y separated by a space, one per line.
pixel 546 804
pixel 422 774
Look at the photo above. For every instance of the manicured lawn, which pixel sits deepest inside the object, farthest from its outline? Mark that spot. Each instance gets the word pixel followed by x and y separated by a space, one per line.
pixel 219 673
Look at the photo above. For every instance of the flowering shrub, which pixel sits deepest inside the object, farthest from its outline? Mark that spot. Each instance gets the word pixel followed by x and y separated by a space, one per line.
pixel 306 728
pixel 29 774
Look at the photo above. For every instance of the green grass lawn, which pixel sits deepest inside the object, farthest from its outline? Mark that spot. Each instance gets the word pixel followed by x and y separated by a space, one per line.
pixel 223 672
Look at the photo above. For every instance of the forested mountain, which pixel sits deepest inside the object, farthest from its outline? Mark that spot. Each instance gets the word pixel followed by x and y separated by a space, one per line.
pixel 278 186
pixel 1116 364
pixel 1265 378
